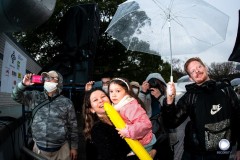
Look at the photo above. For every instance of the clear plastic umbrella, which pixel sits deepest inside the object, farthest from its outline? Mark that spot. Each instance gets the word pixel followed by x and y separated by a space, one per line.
pixel 167 27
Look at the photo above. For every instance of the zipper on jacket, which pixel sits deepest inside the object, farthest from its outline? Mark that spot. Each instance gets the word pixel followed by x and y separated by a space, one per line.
pixel 209 131
pixel 208 135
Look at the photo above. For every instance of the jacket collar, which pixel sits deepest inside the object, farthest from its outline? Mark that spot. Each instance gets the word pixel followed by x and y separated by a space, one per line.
pixel 207 86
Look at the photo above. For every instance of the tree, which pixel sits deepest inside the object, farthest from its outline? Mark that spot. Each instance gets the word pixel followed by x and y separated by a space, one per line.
pixel 139 65
pixel 221 70
pixel 44 45
pixel 177 65
pixel 42 42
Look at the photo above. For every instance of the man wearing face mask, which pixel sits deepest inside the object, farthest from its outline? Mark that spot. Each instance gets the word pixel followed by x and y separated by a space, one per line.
pixel 54 124
pixel 105 80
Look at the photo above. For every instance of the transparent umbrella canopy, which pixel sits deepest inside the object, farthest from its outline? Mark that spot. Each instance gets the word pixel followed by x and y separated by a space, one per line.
pixel 167 27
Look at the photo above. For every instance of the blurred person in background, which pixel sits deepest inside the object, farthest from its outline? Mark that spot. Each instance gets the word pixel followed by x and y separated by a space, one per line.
pixel 135 87
pixel 105 80
pixel 152 93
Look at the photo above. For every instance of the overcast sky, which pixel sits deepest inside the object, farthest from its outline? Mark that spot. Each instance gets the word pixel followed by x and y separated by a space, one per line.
pixel 222 51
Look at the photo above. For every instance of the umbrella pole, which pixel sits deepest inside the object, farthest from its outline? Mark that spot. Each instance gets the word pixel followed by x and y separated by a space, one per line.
pixel 170 43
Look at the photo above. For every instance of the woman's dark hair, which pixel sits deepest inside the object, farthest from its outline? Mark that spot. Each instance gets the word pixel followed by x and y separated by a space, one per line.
pixel 156 83
pixel 89 118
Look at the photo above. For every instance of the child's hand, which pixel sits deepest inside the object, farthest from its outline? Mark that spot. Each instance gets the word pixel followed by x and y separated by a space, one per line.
pixel 123 132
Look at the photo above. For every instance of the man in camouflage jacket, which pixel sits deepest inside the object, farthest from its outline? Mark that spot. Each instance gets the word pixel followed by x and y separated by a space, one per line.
pixel 54 125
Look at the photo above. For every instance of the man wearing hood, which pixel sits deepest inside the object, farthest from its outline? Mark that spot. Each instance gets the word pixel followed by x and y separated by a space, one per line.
pixel 54 125
pixel 152 93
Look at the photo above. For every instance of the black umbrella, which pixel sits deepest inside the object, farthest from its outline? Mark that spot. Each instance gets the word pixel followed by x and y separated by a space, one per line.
pixel 235 56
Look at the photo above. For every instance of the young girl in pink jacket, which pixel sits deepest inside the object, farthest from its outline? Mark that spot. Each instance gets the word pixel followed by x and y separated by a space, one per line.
pixel 130 107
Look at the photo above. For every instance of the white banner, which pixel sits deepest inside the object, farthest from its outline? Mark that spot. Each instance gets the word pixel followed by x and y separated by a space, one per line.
pixel 13 68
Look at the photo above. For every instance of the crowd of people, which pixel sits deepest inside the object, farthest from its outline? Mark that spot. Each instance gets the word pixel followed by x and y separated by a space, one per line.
pixel 149 111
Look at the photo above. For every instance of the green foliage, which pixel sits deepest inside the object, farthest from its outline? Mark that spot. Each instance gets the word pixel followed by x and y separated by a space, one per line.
pixel 44 44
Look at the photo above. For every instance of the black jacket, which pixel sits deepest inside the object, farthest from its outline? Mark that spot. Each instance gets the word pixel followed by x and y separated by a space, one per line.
pixel 214 112
pixel 106 144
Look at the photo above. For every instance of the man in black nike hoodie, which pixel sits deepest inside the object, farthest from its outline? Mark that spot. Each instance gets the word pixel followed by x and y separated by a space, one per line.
pixel 214 112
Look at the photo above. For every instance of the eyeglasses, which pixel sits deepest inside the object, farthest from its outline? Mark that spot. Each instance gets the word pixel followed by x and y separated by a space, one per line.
pixel 50 78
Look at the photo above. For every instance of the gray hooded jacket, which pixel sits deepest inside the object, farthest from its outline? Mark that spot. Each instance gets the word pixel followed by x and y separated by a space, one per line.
pixel 146 98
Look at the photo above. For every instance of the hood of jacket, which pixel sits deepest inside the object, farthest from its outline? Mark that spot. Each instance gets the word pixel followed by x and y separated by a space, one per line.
pixel 207 86
pixel 157 76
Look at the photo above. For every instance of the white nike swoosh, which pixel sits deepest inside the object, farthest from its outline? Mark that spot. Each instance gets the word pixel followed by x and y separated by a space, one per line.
pixel 214 112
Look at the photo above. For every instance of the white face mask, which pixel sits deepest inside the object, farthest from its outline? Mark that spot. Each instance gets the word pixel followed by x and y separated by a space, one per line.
pixel 135 91
pixel 50 86
pixel 105 89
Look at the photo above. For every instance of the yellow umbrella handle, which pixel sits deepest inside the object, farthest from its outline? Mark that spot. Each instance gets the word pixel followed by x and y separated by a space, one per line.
pixel 118 122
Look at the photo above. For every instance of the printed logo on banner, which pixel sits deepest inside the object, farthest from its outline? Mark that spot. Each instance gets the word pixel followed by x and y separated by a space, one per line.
pixel 19 76
pixel 14 74
pixel 7 71
pixel 13 56
pixel 18 65
pixel 13 67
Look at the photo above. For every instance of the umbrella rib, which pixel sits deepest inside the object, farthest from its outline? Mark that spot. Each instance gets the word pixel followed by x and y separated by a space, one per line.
pixel 175 19
pixel 180 11
pixel 170 6
pixel 110 25
pixel 202 41
pixel 180 24
pixel 164 11
pixel 173 16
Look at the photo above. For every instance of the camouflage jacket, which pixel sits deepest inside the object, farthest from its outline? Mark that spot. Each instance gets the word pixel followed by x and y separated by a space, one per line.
pixel 54 123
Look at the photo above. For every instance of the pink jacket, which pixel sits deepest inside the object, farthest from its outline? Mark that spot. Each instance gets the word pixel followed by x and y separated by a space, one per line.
pixel 139 126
